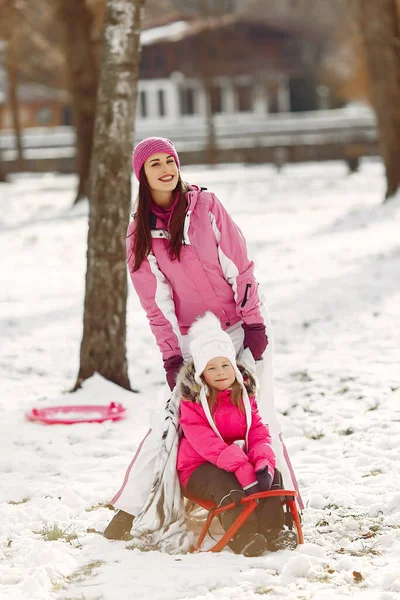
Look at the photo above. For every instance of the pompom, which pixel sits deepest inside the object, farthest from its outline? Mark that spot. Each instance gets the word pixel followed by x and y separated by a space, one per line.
pixel 206 323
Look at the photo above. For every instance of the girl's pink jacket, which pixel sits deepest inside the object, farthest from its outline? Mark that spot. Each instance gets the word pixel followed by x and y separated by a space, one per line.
pixel 213 274
pixel 200 444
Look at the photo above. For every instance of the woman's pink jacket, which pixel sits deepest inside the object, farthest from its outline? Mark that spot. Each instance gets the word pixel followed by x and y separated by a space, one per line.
pixel 213 274
pixel 199 443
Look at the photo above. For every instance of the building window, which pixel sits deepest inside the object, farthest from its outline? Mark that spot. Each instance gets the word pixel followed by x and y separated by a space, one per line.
pixel 143 104
pixel 67 115
pixel 244 98
pixel 161 103
pixel 187 101
pixel 159 59
pixel 273 96
pixel 145 59
pixel 216 99
pixel 303 93
pixel 44 115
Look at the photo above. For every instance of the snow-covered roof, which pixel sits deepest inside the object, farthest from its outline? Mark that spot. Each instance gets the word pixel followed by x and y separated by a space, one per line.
pixel 170 31
pixel 176 30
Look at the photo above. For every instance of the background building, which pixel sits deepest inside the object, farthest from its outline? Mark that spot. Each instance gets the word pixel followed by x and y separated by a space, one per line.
pixel 236 69
pixel 38 105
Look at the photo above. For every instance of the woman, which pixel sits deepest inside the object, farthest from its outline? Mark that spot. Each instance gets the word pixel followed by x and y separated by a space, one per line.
pixel 186 256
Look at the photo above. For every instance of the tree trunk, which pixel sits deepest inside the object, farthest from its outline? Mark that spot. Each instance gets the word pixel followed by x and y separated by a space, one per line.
pixel 77 23
pixel 3 177
pixel 11 66
pixel 103 348
pixel 208 45
pixel 211 149
pixel 380 28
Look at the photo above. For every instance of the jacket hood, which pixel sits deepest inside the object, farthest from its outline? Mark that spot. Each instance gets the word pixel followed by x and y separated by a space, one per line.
pixel 189 389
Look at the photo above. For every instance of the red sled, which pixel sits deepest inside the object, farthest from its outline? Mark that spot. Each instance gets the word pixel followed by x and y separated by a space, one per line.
pixel 249 503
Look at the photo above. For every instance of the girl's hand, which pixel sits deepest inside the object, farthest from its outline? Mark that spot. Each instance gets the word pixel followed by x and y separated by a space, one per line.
pixel 264 479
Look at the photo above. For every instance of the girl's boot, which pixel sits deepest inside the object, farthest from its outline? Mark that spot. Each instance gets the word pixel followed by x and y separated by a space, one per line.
pixel 281 540
pixel 254 544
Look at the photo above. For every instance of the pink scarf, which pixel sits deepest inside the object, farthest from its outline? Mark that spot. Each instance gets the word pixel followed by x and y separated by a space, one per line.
pixel 165 214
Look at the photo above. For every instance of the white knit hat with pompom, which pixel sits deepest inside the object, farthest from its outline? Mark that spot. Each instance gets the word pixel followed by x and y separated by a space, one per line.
pixel 207 340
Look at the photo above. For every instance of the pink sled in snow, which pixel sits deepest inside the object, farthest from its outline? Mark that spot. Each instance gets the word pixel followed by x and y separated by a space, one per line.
pixel 69 415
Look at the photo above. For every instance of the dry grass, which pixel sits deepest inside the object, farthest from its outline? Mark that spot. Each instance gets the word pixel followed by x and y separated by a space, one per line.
pixel 54 532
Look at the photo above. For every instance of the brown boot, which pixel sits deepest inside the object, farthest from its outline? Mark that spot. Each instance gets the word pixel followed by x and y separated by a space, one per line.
pixel 254 544
pixel 282 540
pixel 119 528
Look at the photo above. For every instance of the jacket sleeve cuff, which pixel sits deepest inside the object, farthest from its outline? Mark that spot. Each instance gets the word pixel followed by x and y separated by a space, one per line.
pixel 246 475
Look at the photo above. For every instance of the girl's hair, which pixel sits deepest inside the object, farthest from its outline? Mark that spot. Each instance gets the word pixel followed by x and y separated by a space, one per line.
pixel 236 396
pixel 142 244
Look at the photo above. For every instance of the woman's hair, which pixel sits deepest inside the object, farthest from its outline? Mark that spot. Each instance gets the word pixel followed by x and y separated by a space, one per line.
pixel 236 396
pixel 142 243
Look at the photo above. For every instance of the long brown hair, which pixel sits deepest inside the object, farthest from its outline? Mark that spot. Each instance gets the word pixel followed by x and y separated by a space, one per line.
pixel 236 396
pixel 142 244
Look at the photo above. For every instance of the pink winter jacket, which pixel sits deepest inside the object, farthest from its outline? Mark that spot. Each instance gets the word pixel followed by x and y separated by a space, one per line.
pixel 213 274
pixel 199 444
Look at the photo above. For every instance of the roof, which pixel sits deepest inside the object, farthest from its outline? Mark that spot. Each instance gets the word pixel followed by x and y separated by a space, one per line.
pixel 179 29
pixel 171 31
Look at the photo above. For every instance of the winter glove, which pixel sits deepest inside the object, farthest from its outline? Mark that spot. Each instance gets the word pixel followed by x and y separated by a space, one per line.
pixel 255 339
pixel 172 366
pixel 264 479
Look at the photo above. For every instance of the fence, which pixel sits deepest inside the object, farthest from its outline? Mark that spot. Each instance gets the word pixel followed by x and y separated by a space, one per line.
pixel 340 134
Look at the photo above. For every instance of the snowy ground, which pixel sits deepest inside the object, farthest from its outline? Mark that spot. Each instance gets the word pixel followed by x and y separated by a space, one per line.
pixel 328 257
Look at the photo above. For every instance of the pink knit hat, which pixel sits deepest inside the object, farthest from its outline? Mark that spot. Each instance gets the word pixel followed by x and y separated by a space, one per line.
pixel 149 146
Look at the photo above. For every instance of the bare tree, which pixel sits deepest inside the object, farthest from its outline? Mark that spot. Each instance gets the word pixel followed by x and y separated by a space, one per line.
pixel 209 60
pixel 59 48
pixel 11 63
pixel 207 47
pixel 344 68
pixel 40 52
pixel 77 23
pixel 3 178
pixel 10 35
pixel 380 29
pixel 103 347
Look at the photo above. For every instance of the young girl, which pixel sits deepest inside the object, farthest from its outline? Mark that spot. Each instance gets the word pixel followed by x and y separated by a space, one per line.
pixel 218 408
pixel 186 256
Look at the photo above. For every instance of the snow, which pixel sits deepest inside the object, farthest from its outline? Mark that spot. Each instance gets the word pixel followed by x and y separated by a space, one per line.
pixel 328 258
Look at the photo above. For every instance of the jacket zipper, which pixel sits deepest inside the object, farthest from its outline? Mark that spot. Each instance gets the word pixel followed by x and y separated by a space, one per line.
pixel 248 286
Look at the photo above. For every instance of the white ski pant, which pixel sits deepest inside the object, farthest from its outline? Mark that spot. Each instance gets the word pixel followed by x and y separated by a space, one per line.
pixel 139 476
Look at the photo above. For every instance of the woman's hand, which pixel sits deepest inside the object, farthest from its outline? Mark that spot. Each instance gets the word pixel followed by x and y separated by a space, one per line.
pixel 172 367
pixel 255 339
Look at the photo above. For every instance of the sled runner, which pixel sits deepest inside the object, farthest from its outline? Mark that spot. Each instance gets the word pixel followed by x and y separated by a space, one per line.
pixel 249 503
